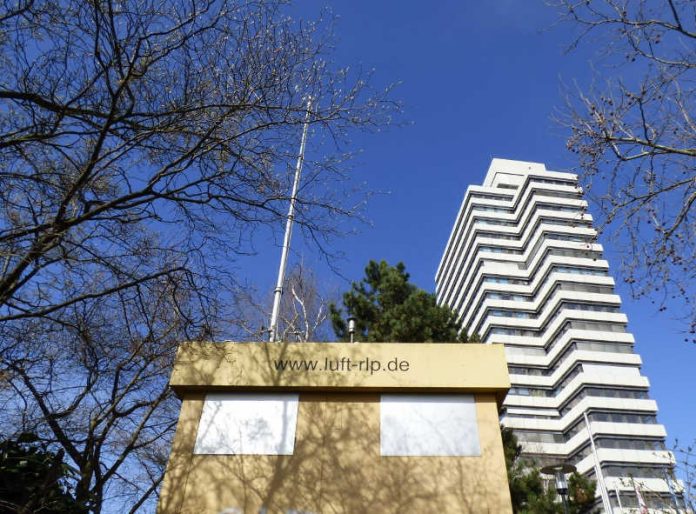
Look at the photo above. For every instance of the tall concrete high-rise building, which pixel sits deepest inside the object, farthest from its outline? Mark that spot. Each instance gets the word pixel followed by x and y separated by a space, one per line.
pixel 522 267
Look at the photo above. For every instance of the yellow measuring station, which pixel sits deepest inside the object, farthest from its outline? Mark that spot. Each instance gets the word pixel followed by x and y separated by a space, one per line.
pixel 309 428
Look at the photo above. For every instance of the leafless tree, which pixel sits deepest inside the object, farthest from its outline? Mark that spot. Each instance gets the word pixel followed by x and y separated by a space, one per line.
pixel 142 144
pixel 635 138
pixel 94 383
pixel 686 466
pixel 303 314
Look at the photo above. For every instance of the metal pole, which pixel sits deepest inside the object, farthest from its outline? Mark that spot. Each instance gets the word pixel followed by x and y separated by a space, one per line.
pixel 618 498
pixel 671 490
pixel 598 470
pixel 565 503
pixel 278 292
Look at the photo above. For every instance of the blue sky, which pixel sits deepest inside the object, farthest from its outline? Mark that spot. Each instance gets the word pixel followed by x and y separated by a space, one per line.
pixel 478 80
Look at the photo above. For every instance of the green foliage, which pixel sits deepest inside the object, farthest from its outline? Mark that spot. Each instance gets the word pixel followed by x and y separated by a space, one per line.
pixel 33 479
pixel 582 494
pixel 529 496
pixel 387 307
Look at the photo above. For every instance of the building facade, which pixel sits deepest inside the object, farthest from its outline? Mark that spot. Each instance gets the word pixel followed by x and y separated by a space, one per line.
pixel 522 267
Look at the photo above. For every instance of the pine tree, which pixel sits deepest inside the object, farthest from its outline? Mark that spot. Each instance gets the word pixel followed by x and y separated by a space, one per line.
pixel 529 496
pixel 34 479
pixel 387 307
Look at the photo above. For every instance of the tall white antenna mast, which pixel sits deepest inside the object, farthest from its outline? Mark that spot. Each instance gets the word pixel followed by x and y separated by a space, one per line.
pixel 278 292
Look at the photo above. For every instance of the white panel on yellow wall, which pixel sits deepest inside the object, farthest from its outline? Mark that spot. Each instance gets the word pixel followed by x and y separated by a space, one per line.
pixel 247 424
pixel 428 426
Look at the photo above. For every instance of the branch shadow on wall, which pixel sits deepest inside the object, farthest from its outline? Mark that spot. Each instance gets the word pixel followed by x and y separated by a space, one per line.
pixel 335 467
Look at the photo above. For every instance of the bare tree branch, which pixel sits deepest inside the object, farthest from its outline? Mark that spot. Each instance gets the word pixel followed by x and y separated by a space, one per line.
pixel 636 141
pixel 142 146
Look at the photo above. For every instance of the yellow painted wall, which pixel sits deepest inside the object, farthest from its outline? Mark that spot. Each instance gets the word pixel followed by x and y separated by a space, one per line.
pixel 419 366
pixel 336 466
